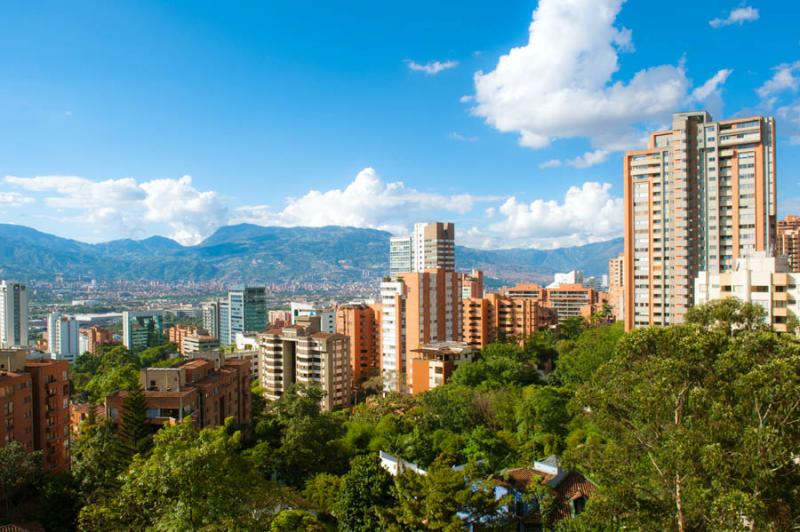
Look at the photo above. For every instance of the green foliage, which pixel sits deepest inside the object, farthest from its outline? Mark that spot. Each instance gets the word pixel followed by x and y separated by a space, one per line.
pixel 698 424
pixel 365 489
pixel 134 436
pixel 500 364
pixel 158 353
pixel 321 490
pixel 19 469
pixel 94 462
pixel 728 316
pixel 294 520
pixel 580 358
pixel 189 481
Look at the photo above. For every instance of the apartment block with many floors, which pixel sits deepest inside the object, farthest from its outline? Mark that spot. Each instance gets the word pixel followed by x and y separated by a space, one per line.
pixel 432 365
pixel 34 406
pixel 788 241
pixel 208 388
pixel 361 323
pixel 417 308
pixel 500 317
pixel 13 315
pixel 430 246
pixel 700 196
pixel 304 355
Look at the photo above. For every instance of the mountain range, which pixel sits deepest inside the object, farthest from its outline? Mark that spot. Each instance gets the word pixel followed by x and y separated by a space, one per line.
pixel 252 253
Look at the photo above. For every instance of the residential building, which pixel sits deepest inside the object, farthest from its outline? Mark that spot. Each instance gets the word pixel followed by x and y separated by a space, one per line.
pixel 788 241
pixel 572 277
pixel 209 388
pixel 573 300
pixel 416 308
pixel 569 492
pixel 141 330
pixel 400 255
pixel 225 334
pixel 63 337
pixel 498 317
pixel 759 279
pixel 34 405
pixel 211 318
pixel 279 318
pixel 433 364
pixel 13 315
pixel 430 246
pixel 92 338
pixel 306 355
pixel 700 196
pixel 327 317
pixel 253 356
pixel 471 284
pixel 616 286
pixel 360 322
pixel 248 309
pixel 178 334
pixel 198 342
pixel 80 412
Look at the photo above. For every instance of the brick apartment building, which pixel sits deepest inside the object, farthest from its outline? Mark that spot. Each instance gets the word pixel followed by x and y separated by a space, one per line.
pixel 93 337
pixel 432 365
pixel 788 241
pixel 209 388
pixel 34 405
pixel 362 324
pixel 498 317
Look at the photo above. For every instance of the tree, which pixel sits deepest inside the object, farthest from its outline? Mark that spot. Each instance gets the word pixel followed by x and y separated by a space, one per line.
pixel 293 520
pixel 134 434
pixel 365 489
pixel 729 316
pixel 19 469
pixel 94 462
pixel 321 490
pixel 190 480
pixel 579 359
pixel 699 424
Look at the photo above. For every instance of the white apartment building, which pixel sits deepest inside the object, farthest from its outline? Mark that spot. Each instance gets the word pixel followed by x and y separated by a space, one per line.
pixel 63 337
pixel 760 279
pixel 13 315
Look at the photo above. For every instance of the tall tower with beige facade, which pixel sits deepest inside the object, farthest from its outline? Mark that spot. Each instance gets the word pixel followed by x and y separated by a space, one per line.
pixel 701 195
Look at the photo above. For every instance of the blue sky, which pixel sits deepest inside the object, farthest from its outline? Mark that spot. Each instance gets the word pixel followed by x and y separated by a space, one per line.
pixel 368 113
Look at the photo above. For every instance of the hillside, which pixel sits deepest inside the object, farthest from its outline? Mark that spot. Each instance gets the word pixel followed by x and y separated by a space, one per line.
pixel 251 253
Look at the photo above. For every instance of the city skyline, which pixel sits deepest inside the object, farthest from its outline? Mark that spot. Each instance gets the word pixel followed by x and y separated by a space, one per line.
pixel 263 104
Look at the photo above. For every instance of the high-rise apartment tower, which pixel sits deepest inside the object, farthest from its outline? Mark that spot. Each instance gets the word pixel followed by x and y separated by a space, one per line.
pixel 701 195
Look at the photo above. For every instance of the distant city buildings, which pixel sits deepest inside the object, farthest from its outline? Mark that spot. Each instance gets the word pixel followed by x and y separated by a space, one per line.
pixel 143 329
pixel 327 317
pixel 699 197
pixel 93 337
pixel 616 286
pixel 13 315
pixel 243 311
pixel 63 337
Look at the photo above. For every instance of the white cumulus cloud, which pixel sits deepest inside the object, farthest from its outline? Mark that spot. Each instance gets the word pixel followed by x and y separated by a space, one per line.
pixel 431 68
pixel 739 16
pixel 368 201
pixel 588 213
pixel 14 199
pixel 785 78
pixel 561 83
pixel 127 207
